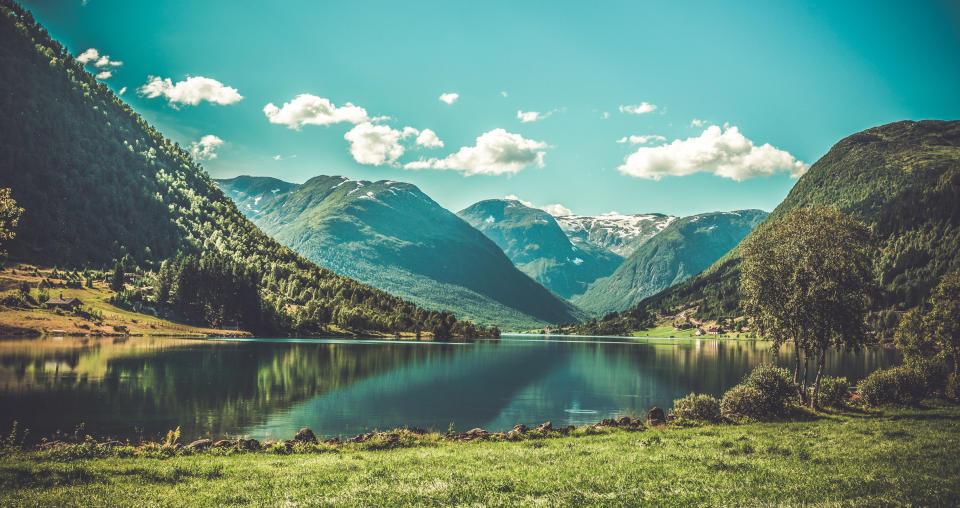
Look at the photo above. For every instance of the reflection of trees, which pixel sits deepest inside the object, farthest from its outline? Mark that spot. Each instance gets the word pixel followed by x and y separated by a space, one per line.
pixel 208 389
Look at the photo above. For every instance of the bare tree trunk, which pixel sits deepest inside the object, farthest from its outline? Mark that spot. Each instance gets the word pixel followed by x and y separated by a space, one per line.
pixel 956 362
pixel 803 379
pixel 822 359
pixel 796 362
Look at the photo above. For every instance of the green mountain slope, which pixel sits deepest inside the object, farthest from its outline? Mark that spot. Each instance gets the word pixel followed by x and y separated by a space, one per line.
pixel 902 179
pixel 683 249
pixel 533 240
pixel 394 237
pixel 98 182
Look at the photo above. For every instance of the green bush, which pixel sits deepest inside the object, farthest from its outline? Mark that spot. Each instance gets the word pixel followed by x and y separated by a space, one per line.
pixel 764 393
pixel 697 407
pixel 905 384
pixel 833 391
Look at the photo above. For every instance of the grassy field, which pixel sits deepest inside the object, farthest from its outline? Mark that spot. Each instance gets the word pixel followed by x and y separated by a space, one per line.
pixel 892 457
pixel 116 321
pixel 669 332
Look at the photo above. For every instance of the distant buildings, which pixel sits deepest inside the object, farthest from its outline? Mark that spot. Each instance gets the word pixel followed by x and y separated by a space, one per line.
pixel 59 302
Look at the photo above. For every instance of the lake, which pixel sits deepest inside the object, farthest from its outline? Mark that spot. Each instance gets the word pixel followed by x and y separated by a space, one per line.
pixel 269 388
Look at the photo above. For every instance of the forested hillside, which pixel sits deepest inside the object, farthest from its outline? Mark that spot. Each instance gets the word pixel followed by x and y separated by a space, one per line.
pixel 903 180
pixel 394 237
pixel 686 247
pixel 97 183
pixel 533 240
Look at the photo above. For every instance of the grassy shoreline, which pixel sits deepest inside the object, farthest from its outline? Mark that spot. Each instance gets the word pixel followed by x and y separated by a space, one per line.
pixel 892 456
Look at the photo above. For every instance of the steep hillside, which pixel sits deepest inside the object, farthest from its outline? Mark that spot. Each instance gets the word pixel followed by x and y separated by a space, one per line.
pixel 686 247
pixel 394 237
pixel 533 240
pixel 902 179
pixel 98 182
pixel 617 233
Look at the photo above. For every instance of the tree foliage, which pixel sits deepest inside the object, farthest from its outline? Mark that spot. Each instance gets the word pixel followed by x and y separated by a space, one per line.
pixel 806 279
pixel 9 218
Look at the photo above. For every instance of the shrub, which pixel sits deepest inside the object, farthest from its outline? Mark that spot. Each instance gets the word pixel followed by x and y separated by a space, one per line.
pixel 905 384
pixel 697 407
pixel 833 391
pixel 765 392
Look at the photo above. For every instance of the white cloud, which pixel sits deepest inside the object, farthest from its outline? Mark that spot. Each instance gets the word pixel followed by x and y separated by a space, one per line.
pixel 279 157
pixel 638 109
pixel 374 144
pixel 306 109
pixel 206 148
pixel 639 140
pixel 556 209
pixel 725 153
pixel 503 93
pixel 697 123
pixel 190 91
pixel 88 55
pixel 429 139
pixel 531 116
pixel 496 152
pixel 605 115
pixel 122 91
pixel 101 63
pixel 449 97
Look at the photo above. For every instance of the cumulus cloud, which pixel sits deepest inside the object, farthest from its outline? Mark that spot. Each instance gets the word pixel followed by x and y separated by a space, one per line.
pixel 638 109
pixel 374 144
pixel 496 152
pixel 555 209
pixel 306 109
pixel 723 152
pixel 697 122
pixel 640 140
pixel 93 56
pixel 449 97
pixel 503 93
pixel 532 116
pixel 605 115
pixel 122 91
pixel 190 91
pixel 279 157
pixel 101 63
pixel 429 139
pixel 206 148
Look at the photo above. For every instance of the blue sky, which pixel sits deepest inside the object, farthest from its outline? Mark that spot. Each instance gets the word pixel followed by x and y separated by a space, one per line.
pixel 792 75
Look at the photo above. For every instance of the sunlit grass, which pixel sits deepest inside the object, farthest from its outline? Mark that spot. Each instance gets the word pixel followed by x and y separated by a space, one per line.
pixel 896 457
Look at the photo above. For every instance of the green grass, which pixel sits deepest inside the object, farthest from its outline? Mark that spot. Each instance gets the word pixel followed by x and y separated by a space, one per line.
pixel 891 457
pixel 669 332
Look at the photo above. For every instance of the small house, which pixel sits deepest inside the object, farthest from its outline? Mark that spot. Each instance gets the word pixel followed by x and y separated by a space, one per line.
pixel 59 302
pixel 714 331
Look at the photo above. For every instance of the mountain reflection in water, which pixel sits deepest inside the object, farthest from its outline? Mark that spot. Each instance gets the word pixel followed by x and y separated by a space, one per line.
pixel 125 388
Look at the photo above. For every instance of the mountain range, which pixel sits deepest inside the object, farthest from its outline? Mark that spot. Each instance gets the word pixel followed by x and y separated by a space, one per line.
pixel 98 183
pixel 903 180
pixel 681 250
pixel 393 236
pixel 535 242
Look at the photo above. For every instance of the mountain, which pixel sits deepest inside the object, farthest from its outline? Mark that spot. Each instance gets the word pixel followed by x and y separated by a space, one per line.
pixel 683 249
pixel 617 233
pixel 98 183
pixel 536 244
pixel 394 237
pixel 903 180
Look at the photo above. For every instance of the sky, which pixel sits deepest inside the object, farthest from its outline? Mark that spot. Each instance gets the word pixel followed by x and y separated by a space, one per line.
pixel 631 107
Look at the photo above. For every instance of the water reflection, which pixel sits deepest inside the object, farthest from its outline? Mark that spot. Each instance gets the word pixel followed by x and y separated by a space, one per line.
pixel 270 388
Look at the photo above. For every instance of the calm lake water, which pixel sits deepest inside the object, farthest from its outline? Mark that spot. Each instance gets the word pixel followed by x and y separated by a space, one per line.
pixel 127 388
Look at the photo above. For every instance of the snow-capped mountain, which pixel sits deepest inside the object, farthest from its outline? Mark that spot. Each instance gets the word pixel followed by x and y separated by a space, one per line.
pixel 617 233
